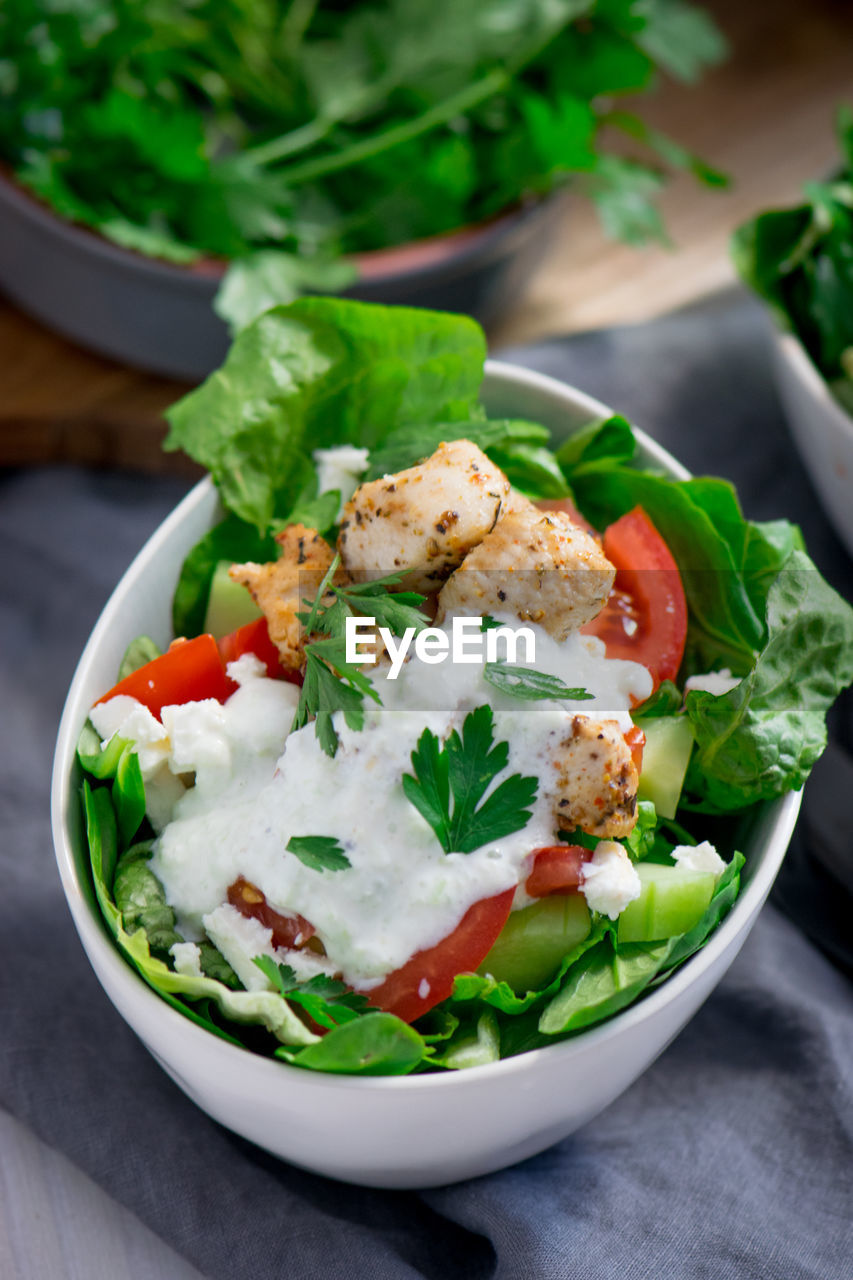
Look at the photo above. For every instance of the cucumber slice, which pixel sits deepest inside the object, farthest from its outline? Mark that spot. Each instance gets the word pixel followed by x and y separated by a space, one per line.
pixel 673 899
pixel 229 604
pixel 666 755
pixel 535 939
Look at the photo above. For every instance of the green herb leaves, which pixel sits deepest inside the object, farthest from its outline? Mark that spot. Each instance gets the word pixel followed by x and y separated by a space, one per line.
pixel 328 1001
pixel 449 784
pixel 320 853
pixel 284 137
pixel 798 260
pixel 331 683
pixel 530 685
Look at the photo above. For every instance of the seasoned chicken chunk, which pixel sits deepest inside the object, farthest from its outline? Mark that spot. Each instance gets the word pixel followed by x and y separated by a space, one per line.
pixel 536 564
pixel 281 587
pixel 595 779
pixel 424 520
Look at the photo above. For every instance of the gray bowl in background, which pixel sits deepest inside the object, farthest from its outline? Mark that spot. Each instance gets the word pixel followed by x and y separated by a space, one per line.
pixel 157 316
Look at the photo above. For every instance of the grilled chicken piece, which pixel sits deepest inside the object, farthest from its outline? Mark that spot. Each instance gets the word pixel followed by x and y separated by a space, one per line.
pixel 281 587
pixel 539 565
pixel 424 520
pixel 596 780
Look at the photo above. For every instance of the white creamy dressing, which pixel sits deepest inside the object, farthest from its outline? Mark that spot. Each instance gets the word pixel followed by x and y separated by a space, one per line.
pixel 402 893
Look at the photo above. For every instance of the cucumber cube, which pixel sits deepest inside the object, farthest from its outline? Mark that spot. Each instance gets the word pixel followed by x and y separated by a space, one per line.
pixel 229 604
pixel 673 899
pixel 666 755
pixel 534 940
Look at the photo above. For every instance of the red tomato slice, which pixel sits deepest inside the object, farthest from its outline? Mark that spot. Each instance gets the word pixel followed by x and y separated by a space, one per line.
pixel 556 869
pixel 189 671
pixel 427 978
pixel 645 619
pixel 287 931
pixel 254 638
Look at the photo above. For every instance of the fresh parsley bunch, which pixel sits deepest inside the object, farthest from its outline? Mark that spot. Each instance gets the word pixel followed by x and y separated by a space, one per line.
pixel 282 136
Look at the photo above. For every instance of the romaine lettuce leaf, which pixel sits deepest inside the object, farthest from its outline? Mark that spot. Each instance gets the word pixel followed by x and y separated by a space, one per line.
pixel 763 737
pixel 318 372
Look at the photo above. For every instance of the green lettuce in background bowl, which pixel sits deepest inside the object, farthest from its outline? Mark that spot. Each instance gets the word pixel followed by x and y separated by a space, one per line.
pixel 800 262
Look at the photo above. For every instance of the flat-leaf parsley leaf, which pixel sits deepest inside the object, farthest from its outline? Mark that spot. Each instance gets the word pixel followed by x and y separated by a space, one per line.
pixel 522 682
pixel 328 1001
pixel 449 783
pixel 321 853
pixel 331 683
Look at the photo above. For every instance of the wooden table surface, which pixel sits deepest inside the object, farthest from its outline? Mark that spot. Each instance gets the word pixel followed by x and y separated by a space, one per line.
pixel 765 117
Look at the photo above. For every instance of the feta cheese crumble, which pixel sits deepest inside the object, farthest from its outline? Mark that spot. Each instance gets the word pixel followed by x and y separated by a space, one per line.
pixel 715 682
pixel 187 958
pixel 610 880
pixel 699 857
pixel 340 468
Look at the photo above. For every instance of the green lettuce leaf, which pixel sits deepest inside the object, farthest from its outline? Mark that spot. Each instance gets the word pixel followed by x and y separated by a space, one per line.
pixel 377 1044
pixel 763 737
pixel 603 981
pixel 262 1008
pixel 321 371
pixel 411 443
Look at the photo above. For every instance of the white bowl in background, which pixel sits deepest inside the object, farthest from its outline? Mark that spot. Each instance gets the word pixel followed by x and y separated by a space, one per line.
pixel 821 427
pixel 417 1131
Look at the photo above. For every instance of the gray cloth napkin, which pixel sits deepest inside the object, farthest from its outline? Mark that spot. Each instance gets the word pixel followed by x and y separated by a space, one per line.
pixel 730 1157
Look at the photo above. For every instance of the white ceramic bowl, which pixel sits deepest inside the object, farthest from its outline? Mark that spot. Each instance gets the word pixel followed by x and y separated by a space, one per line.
pixel 822 430
pixel 390 1132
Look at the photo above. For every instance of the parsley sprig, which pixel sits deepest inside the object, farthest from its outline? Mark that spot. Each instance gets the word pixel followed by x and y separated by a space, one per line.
pixel 523 682
pixel 449 784
pixel 328 1001
pixel 331 683
pixel 320 853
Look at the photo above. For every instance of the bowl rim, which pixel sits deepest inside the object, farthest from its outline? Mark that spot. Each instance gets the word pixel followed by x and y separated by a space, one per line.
pixel 792 349
pixel 443 249
pixel 137 992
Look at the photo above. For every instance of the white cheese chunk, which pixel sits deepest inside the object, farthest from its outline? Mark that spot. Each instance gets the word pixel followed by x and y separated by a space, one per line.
pixel 715 682
pixel 245 668
pixel 128 718
pixel 699 857
pixel 610 879
pixel 187 958
pixel 199 739
pixel 340 468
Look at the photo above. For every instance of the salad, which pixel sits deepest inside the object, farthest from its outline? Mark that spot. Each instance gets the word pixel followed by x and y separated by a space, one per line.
pixel 446 760
pixel 799 261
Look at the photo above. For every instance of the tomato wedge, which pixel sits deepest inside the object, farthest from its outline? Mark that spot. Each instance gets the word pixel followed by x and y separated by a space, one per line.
pixel 645 618
pixel 636 740
pixel 427 978
pixel 556 869
pixel 254 638
pixel 287 931
pixel 189 671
